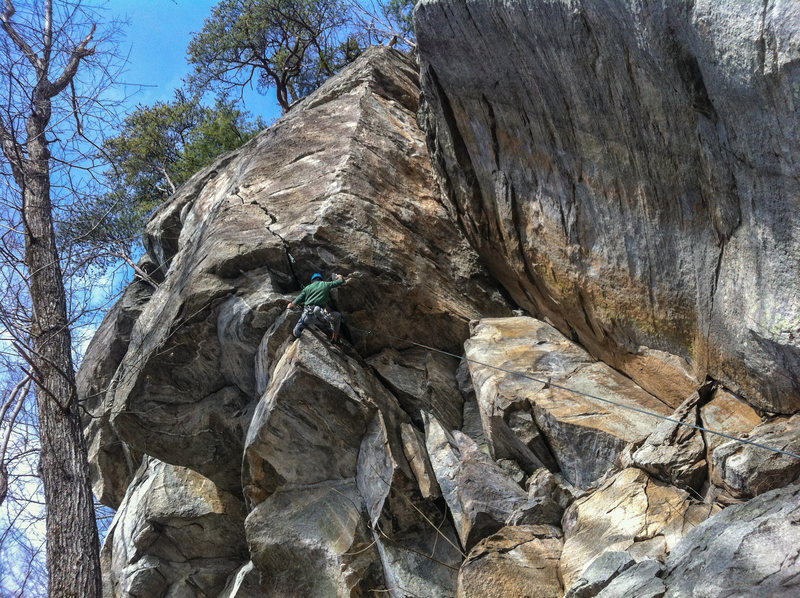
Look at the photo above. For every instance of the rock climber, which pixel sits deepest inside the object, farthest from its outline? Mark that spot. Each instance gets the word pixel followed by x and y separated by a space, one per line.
pixel 314 297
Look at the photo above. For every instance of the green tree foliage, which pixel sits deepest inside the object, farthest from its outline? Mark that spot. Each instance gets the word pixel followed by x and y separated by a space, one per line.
pixel 289 45
pixel 158 148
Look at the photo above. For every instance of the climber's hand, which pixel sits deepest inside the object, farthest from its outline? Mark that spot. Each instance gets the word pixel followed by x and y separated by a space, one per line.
pixel 291 305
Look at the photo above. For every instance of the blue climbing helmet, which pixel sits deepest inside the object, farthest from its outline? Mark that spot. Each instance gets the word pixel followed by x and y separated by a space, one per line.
pixel 316 276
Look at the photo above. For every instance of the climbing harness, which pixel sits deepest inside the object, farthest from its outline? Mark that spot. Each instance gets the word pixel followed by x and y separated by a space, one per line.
pixel 585 394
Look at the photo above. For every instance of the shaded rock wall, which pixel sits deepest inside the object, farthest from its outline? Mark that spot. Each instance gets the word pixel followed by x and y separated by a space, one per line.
pixel 627 169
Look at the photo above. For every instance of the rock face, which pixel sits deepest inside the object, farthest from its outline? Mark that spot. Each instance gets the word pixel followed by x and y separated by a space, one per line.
pixel 630 512
pixel 625 169
pixel 747 550
pixel 444 448
pixel 175 531
pixel 516 561
pixel 534 418
pixel 239 240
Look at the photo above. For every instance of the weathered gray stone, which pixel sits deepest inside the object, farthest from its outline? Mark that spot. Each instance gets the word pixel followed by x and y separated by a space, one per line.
pixel 112 464
pixel 417 544
pixel 243 583
pixel 746 550
pixel 519 412
pixel 745 471
pixel 175 534
pixel 308 426
pixel 241 237
pixel 544 484
pixel 417 457
pixel 639 581
pixel 599 574
pixel 314 541
pixel 676 453
pixel 472 424
pixel 629 512
pixel 480 495
pixel 625 169
pixel 422 381
pixel 516 561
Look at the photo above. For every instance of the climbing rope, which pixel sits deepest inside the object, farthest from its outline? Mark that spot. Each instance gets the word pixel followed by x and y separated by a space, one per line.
pixel 585 394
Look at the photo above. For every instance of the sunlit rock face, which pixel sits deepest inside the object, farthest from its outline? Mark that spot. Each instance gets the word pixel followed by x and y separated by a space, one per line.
pixel 342 184
pixel 528 459
pixel 628 170
pixel 175 531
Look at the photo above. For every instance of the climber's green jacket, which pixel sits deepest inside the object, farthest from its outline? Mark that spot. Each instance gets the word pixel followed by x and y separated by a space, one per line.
pixel 317 293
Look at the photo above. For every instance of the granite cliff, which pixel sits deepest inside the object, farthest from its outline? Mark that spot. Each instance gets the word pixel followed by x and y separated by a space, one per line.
pixel 591 196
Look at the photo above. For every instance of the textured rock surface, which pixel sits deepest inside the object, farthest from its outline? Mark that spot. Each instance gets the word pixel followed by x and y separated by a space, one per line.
pixel 516 561
pixel 175 534
pixel 599 574
pixel 111 462
pixel 640 581
pixel 574 426
pixel 668 263
pixel 746 471
pixel 308 426
pixel 630 512
pixel 480 495
pixel 341 184
pixel 626 169
pixel 423 381
pixel 676 453
pixel 746 550
pixel 314 541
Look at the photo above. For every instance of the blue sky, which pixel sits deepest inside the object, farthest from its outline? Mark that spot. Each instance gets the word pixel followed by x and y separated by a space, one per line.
pixel 156 38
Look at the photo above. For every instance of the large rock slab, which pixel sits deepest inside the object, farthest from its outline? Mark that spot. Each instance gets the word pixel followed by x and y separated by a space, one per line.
pixel 480 495
pixel 629 512
pixel 241 237
pixel 516 561
pixel 746 550
pixel 309 425
pixel 601 572
pixel 175 534
pixel 423 381
pixel 626 169
pixel 314 541
pixel 745 471
pixel 520 413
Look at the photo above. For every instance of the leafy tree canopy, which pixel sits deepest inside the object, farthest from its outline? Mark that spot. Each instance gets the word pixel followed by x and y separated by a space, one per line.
pixel 157 149
pixel 289 45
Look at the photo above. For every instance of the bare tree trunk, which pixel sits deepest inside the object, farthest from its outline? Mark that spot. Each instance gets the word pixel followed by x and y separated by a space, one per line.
pixel 73 559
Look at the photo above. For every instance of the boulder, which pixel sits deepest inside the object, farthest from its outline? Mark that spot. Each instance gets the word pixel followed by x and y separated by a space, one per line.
pixel 242 236
pixel 639 581
pixel 522 370
pixel 422 381
pixel 746 550
pixel 309 425
pixel 175 534
pixel 600 572
pixel 480 495
pixel 629 512
pixel 745 471
pixel 314 541
pixel 417 457
pixel 676 453
pixel 515 561
pixel 620 166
